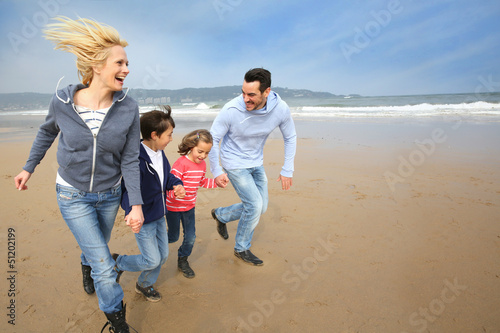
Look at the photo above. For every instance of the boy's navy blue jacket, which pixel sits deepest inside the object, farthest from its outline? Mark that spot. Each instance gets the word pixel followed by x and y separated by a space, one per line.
pixel 154 206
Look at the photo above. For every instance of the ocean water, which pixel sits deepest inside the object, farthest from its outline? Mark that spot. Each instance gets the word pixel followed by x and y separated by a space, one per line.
pixel 481 106
pixel 417 106
pixel 470 122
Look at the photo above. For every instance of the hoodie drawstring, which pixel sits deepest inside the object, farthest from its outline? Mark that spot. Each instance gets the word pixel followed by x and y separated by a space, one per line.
pixel 67 100
pixel 57 88
pixel 121 99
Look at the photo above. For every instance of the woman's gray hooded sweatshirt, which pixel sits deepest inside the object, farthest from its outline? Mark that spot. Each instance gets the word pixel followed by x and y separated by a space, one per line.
pixel 87 162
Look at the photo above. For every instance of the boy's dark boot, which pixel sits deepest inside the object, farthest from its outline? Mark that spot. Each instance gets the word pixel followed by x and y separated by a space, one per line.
pixel 88 282
pixel 116 321
pixel 183 266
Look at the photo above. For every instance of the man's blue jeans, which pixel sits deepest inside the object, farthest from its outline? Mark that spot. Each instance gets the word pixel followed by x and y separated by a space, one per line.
pixel 174 219
pixel 152 241
pixel 90 217
pixel 251 186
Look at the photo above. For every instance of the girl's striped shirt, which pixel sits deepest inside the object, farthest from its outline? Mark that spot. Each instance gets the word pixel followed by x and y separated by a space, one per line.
pixel 193 176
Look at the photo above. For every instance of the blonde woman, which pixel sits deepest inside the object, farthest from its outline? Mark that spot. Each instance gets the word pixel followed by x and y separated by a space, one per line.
pixel 98 128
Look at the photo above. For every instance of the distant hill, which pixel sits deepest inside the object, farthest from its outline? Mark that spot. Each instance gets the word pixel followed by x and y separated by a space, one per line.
pixel 24 101
pixel 220 95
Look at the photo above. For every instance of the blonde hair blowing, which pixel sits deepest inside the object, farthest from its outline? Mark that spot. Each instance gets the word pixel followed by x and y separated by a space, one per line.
pixel 89 40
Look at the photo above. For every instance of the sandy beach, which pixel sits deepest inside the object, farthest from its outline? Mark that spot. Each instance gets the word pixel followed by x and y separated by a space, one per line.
pixel 390 226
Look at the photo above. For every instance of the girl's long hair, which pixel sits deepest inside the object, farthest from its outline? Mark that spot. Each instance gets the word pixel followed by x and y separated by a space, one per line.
pixel 190 140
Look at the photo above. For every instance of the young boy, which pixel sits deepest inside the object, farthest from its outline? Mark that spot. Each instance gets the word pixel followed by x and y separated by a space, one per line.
pixel 152 240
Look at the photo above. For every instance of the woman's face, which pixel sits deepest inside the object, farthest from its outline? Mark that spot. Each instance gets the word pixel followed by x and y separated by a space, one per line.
pixel 114 71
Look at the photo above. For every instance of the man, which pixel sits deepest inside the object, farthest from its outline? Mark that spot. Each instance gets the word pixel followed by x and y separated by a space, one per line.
pixel 244 125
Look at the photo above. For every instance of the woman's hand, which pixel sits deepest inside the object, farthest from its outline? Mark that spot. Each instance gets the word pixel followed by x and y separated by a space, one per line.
pixel 135 218
pixel 21 180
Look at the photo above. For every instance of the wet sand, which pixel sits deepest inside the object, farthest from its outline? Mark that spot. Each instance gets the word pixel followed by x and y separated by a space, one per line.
pixel 391 226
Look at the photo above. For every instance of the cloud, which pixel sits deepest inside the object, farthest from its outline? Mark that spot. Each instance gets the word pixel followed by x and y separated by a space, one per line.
pixel 196 44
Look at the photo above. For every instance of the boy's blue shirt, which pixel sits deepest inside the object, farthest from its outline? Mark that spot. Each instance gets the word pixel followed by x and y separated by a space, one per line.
pixel 243 134
pixel 154 198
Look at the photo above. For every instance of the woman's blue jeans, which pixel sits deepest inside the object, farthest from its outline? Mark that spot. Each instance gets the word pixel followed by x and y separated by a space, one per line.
pixel 152 241
pixel 90 217
pixel 251 186
pixel 174 219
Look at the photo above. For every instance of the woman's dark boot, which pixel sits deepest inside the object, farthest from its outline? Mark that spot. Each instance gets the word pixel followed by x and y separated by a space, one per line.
pixel 88 282
pixel 183 266
pixel 116 321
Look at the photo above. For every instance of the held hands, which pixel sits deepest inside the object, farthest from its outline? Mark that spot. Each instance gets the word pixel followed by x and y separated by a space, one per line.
pixel 222 180
pixel 179 191
pixel 21 180
pixel 135 218
pixel 286 182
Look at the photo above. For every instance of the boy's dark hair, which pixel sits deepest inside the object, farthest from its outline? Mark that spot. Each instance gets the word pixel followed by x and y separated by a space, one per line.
pixel 259 74
pixel 156 121
pixel 190 140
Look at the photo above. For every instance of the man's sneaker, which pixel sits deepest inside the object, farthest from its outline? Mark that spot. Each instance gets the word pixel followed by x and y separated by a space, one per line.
pixel 221 227
pixel 118 272
pixel 183 266
pixel 249 258
pixel 149 292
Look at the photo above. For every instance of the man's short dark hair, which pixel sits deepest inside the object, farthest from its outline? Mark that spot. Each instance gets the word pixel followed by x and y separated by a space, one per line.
pixel 259 74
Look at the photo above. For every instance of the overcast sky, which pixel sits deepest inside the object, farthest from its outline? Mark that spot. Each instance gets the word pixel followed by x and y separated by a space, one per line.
pixel 388 47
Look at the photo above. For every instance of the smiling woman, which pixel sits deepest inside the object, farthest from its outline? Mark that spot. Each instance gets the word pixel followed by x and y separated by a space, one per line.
pixel 94 153
pixel 90 41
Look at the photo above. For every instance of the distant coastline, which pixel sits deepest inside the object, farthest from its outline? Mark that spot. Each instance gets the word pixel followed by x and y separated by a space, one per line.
pixel 218 95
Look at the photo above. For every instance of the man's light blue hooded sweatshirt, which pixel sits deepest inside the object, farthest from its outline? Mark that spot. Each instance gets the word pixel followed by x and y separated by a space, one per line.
pixel 244 133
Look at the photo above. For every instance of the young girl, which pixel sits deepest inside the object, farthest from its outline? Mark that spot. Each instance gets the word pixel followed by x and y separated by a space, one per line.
pixel 190 168
pixel 156 129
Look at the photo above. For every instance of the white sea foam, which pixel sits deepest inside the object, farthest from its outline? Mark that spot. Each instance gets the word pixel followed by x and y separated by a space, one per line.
pixel 420 110
pixel 24 113
pixel 202 106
